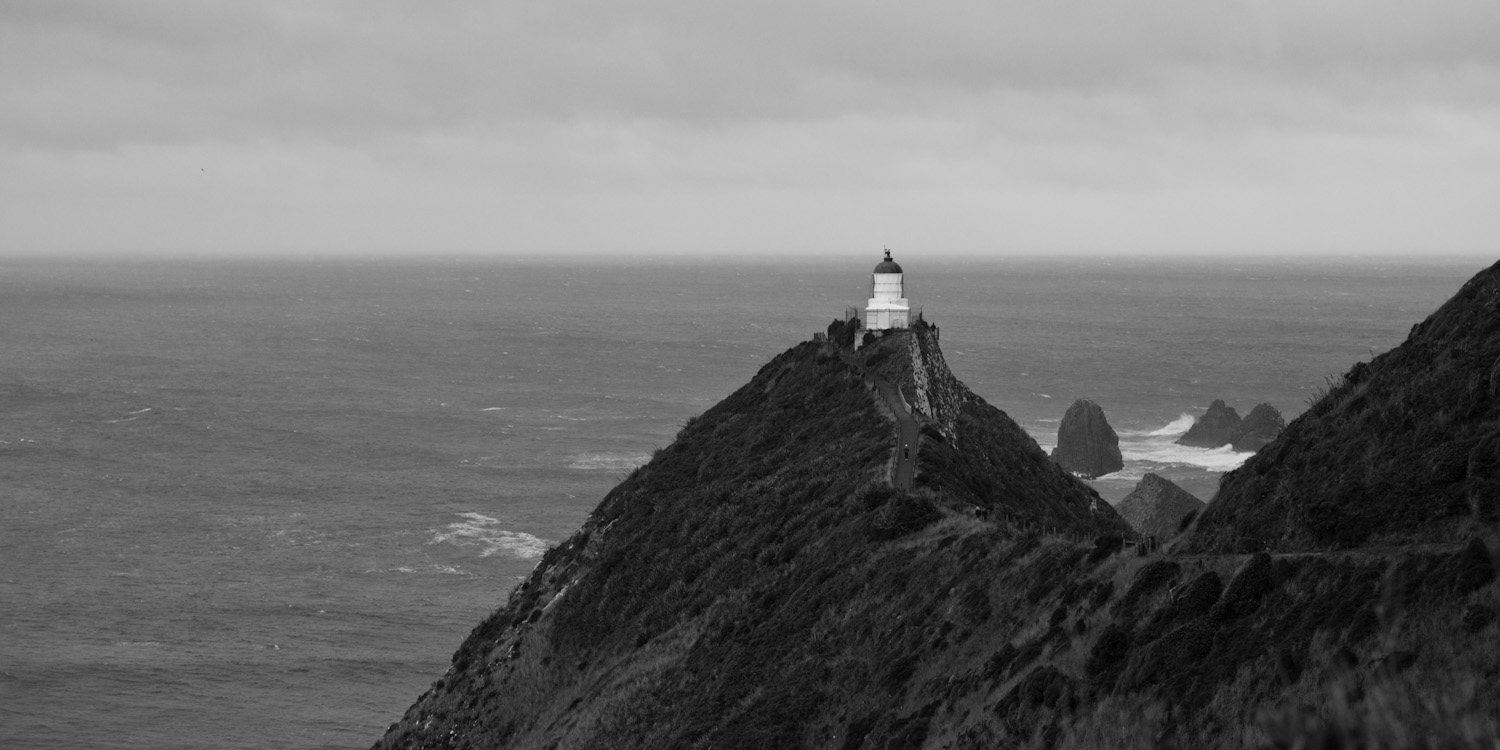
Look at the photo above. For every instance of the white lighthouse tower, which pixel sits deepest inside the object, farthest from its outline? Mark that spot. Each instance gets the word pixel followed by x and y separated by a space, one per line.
pixel 887 307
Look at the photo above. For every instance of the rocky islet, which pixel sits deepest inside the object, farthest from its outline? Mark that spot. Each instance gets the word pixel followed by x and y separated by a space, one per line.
pixel 1086 444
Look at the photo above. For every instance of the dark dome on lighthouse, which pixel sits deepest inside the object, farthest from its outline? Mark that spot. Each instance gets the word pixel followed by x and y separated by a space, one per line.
pixel 888 265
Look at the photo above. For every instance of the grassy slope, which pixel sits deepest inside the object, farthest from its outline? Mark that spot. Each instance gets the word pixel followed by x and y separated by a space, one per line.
pixel 1403 449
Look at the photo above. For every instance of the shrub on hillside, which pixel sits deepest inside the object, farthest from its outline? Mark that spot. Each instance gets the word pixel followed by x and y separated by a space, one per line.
pixel 1477 617
pixel 902 514
pixel 1176 652
pixel 1148 580
pixel 1194 599
pixel 1104 546
pixel 1475 568
pixel 1253 580
pixel 1107 656
pixel 1200 595
pixel 841 333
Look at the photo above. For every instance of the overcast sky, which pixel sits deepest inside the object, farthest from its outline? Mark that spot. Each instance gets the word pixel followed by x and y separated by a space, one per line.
pixel 446 127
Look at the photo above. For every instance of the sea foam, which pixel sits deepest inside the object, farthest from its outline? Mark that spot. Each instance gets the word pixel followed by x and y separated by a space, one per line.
pixel 1179 426
pixel 478 530
pixel 1167 453
pixel 607 461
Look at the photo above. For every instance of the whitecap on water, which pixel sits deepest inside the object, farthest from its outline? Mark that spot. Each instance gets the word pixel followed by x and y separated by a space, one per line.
pixel 1165 452
pixel 607 461
pixel 1174 428
pixel 1129 474
pixel 478 530
pixel 434 568
pixel 1178 426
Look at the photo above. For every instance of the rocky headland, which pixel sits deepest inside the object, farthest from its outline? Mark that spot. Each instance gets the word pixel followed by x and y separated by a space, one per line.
pixel 1157 507
pixel 1086 444
pixel 760 583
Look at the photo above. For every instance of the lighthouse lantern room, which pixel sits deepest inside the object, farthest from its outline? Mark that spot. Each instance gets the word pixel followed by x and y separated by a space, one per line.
pixel 887 307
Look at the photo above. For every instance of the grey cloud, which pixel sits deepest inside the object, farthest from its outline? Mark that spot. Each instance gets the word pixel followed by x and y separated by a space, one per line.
pixel 99 74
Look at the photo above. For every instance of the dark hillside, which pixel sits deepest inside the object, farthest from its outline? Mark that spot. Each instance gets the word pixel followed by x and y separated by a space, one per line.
pixel 1403 449
pixel 760 579
pixel 760 584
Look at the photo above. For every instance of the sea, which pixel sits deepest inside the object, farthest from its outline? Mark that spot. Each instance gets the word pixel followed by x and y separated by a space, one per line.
pixel 257 504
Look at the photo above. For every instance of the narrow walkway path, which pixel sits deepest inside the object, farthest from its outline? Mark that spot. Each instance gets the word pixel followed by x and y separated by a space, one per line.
pixel 906 428
pixel 1383 551
pixel 906 424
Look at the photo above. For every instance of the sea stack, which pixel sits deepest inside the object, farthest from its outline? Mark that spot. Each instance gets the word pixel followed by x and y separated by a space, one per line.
pixel 1260 426
pixel 1156 507
pixel 1086 444
pixel 1216 427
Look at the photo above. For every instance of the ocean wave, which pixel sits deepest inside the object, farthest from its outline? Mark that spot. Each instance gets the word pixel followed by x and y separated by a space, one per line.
pixel 1130 474
pixel 1174 428
pixel 478 530
pixel 1168 453
pixel 1178 426
pixel 434 568
pixel 607 461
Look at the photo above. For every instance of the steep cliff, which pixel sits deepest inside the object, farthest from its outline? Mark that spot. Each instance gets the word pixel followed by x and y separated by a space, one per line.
pixel 1086 444
pixel 1156 507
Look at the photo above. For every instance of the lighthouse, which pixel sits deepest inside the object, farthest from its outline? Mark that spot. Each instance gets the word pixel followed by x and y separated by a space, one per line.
pixel 888 307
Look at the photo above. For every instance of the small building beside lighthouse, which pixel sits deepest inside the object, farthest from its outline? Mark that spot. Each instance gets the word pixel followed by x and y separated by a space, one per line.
pixel 888 306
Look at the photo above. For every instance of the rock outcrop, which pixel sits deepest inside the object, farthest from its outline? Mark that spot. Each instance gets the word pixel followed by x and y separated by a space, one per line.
pixel 1156 507
pixel 1086 444
pixel 1258 428
pixel 1221 425
pixel 1216 427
